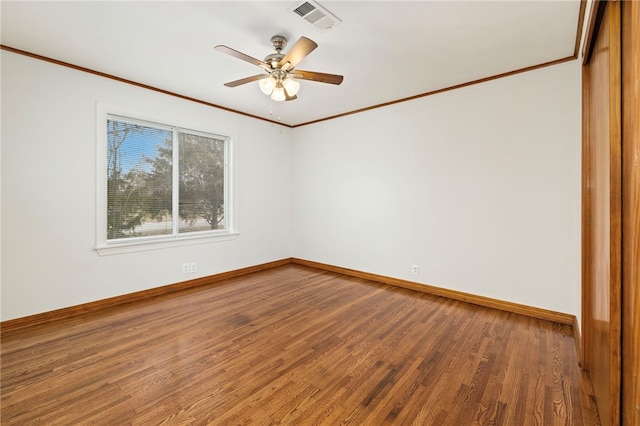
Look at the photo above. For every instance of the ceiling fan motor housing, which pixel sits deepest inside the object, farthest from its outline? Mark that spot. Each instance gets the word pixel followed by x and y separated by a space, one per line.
pixel 274 59
pixel 279 42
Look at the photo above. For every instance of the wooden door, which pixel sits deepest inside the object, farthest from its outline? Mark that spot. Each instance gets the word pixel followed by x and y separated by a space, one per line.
pixel 630 21
pixel 601 312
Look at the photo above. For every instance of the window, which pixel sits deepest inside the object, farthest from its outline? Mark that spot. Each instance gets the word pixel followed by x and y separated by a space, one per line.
pixel 163 183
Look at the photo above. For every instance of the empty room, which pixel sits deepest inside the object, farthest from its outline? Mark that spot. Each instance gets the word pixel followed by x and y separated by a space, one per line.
pixel 320 213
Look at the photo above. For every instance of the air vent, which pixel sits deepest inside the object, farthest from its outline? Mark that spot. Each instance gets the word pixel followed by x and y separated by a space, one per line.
pixel 316 15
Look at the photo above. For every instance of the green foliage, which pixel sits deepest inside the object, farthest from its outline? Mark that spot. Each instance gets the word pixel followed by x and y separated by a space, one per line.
pixel 125 207
pixel 157 183
pixel 201 179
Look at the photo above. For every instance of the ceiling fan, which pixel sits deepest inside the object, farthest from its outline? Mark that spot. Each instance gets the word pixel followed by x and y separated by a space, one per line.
pixel 279 82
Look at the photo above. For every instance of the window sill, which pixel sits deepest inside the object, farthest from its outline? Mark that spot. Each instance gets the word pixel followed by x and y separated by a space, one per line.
pixel 155 244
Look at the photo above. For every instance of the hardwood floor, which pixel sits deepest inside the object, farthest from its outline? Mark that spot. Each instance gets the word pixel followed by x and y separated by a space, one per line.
pixel 295 345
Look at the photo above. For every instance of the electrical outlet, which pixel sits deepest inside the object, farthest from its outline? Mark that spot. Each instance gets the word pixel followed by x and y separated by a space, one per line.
pixel 415 269
pixel 193 267
pixel 185 268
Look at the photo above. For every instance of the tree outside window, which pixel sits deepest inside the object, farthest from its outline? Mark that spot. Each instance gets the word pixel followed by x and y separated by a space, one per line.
pixel 163 180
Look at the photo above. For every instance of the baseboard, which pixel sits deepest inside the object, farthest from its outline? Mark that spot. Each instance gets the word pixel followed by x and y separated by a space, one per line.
pixel 529 311
pixel 31 320
pixel 577 336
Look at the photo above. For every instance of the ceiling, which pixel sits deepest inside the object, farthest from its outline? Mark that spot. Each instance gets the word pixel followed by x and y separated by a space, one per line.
pixel 386 50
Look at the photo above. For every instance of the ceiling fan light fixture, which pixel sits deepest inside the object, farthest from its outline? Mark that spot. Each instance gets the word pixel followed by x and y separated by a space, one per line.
pixel 291 86
pixel 278 93
pixel 267 85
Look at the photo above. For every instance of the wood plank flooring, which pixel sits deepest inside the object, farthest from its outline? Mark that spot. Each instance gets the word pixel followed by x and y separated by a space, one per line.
pixel 295 345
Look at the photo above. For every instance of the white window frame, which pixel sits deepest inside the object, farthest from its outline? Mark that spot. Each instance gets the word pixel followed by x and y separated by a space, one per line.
pixel 128 245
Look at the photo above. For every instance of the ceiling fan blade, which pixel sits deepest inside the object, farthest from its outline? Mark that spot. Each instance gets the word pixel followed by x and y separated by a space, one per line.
pixel 320 77
pixel 302 48
pixel 245 80
pixel 240 55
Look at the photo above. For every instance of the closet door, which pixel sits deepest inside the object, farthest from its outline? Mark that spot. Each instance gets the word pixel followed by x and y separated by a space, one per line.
pixel 630 21
pixel 602 239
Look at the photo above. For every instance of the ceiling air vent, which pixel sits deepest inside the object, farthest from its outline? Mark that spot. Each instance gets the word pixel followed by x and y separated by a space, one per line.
pixel 315 14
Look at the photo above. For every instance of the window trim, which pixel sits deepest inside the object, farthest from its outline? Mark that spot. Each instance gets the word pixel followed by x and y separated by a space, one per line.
pixel 129 245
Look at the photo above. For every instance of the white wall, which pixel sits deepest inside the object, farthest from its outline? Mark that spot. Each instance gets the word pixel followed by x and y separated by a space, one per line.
pixel 479 186
pixel 49 182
